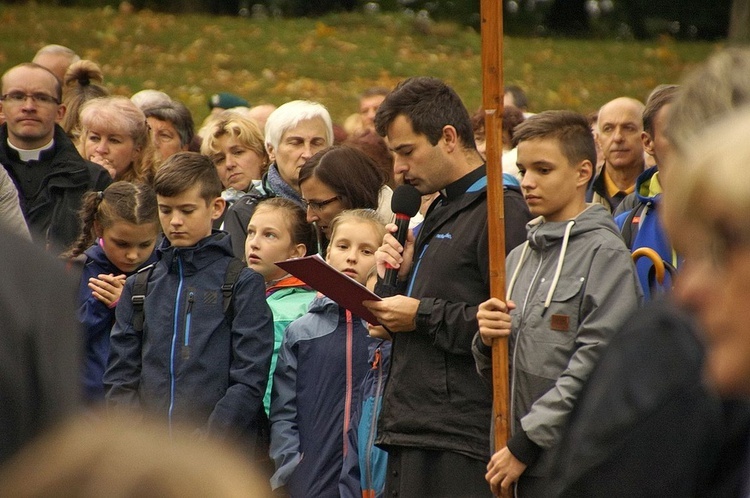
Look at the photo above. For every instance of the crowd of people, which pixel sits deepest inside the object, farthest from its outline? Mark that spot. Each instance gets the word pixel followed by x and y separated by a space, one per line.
pixel 627 255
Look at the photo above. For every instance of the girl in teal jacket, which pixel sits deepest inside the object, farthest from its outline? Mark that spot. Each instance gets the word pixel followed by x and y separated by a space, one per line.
pixel 277 231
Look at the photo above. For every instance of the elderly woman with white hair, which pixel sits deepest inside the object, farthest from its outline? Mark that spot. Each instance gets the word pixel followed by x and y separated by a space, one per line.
pixel 294 133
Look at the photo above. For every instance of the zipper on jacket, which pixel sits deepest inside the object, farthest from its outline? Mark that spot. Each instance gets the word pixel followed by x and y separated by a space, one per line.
pixel 188 320
pixel 369 485
pixel 416 270
pixel 348 401
pixel 174 341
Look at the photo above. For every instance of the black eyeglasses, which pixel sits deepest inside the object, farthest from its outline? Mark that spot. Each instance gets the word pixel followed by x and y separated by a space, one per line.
pixel 317 206
pixel 38 98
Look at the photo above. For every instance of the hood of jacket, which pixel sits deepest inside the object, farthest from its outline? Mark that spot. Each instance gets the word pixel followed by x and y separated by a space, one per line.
pixel 323 305
pixel 647 186
pixel 194 258
pixel 544 236
pixel 95 254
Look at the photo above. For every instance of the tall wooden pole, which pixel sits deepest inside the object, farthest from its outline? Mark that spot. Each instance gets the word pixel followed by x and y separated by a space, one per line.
pixel 492 102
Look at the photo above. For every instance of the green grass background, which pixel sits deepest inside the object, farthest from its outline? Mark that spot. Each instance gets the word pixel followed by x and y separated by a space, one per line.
pixel 332 59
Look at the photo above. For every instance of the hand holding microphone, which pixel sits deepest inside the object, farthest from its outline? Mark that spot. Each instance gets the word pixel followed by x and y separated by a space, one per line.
pixel 405 204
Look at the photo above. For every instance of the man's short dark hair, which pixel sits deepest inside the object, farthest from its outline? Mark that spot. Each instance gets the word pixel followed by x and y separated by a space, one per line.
pixel 430 105
pixel 184 170
pixel 570 128
pixel 659 97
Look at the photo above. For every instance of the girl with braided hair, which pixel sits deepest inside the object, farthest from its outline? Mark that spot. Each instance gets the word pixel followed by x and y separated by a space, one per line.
pixel 120 227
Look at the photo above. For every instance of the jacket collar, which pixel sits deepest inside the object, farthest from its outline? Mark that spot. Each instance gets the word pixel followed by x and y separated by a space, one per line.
pixel 194 258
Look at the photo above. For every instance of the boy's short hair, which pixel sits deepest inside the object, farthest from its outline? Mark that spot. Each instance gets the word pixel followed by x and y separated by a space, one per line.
pixel 570 128
pixel 185 170
pixel 430 105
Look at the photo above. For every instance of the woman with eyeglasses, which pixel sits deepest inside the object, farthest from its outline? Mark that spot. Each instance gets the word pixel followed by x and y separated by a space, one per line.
pixel 340 178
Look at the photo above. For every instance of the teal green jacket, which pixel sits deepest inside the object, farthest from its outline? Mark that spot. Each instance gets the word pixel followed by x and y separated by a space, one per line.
pixel 288 299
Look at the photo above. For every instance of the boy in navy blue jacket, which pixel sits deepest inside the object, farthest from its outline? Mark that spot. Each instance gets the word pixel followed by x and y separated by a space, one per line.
pixel 193 362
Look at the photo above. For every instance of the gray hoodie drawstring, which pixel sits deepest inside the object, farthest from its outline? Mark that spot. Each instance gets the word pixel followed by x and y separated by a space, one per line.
pixel 509 292
pixel 564 248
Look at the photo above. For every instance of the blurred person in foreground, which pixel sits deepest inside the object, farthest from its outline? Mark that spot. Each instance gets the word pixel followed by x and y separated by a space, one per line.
pixel 646 423
pixel 40 345
pixel 116 454
pixel 708 219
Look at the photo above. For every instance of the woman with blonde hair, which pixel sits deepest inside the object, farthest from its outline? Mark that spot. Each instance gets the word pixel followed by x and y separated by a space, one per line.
pixel 114 133
pixel 235 144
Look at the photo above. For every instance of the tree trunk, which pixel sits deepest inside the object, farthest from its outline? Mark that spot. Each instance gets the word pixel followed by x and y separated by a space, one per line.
pixel 739 22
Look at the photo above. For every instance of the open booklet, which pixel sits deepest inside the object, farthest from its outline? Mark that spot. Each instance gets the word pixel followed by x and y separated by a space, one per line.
pixel 315 272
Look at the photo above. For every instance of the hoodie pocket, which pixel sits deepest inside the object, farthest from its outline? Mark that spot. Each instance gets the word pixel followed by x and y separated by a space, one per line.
pixel 557 323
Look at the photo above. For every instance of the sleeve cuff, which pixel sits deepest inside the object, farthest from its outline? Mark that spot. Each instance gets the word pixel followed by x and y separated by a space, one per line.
pixel 383 290
pixel 523 448
pixel 424 314
pixel 480 347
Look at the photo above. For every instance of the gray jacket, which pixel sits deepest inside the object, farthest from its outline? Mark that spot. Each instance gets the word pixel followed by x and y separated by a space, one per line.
pixel 11 215
pixel 574 285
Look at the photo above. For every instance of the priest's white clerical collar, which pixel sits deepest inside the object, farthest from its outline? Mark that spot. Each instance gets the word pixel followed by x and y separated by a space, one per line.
pixel 31 154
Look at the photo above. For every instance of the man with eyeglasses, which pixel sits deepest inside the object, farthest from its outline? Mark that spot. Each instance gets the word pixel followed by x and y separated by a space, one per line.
pixel 49 173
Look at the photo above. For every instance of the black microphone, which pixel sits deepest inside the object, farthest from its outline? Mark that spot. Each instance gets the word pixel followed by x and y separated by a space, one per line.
pixel 405 204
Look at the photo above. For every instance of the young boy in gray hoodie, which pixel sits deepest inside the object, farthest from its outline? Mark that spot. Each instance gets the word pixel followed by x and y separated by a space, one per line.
pixel 571 286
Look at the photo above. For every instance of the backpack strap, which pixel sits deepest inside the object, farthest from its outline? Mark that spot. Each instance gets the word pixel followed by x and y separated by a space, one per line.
pixel 140 287
pixel 233 272
pixel 630 227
